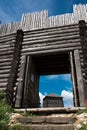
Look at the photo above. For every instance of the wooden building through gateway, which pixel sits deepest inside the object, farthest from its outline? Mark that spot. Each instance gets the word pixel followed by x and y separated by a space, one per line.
pixel 43 45
pixel 53 100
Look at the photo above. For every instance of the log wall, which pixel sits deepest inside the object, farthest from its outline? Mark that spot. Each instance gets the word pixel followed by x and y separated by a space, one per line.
pixel 42 36
pixel 7 43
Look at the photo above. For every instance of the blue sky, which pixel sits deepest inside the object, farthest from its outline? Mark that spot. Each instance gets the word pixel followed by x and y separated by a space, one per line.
pixel 12 10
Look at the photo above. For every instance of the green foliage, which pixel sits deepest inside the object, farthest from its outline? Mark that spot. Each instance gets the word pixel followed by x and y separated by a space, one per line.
pixel 26 113
pixel 83 127
pixel 5 109
pixel 82 111
pixel 19 127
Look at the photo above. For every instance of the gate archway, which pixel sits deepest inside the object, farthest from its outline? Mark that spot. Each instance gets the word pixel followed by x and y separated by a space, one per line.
pixel 47 64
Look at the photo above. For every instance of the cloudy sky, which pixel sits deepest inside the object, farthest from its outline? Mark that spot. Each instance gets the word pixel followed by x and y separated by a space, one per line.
pixel 12 10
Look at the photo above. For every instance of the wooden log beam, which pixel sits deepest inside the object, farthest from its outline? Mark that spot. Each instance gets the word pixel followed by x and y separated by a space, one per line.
pixel 50 47
pixel 14 68
pixel 50 51
pixel 70 41
pixel 20 83
pixel 79 79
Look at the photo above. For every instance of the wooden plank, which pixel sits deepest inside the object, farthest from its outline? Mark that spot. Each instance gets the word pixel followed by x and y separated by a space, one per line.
pixel 5 59
pixel 53 43
pixel 79 79
pixel 5 63
pixel 3 80
pixel 5 67
pixel 50 47
pixel 6 49
pixel 6 53
pixel 70 41
pixel 73 79
pixel 27 80
pixel 4 76
pixel 52 39
pixel 18 100
pixel 4 71
pixel 50 34
pixel 50 51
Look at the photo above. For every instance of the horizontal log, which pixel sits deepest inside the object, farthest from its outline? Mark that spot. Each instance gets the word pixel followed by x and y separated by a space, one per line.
pixel 51 43
pixel 51 39
pixel 7 39
pixel 50 51
pixel 3 84
pixel 5 63
pixel 6 60
pixel 4 76
pixel 5 67
pixel 41 35
pixel 51 29
pixel 7 35
pixel 6 53
pixel 6 49
pixel 4 71
pixel 11 43
pixel 6 46
pixel 6 56
pixel 3 80
pixel 50 47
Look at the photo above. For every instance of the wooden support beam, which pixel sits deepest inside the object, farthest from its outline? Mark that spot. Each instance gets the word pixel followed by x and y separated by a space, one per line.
pixel 79 79
pixel 20 86
pixel 83 36
pixel 73 79
pixel 14 68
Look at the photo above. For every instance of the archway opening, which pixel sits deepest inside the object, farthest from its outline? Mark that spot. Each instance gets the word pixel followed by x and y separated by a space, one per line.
pixel 52 68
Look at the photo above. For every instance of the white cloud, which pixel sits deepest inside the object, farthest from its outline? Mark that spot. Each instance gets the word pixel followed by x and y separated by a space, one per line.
pixel 52 77
pixel 65 77
pixel 67 98
pixel 41 98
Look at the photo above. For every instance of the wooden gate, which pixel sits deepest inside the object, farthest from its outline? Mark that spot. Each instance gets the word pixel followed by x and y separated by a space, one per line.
pixel 27 92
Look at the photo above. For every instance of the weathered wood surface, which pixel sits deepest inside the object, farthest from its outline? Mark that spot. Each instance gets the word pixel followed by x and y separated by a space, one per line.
pixel 6 57
pixel 20 83
pixel 38 42
pixel 79 79
pixel 14 68
pixel 37 20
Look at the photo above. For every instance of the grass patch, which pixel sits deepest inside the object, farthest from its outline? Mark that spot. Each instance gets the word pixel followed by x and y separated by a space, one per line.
pixel 5 109
pixel 20 127
pixel 82 111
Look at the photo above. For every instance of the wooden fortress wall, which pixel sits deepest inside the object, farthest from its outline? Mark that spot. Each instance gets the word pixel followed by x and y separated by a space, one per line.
pixel 14 46
pixel 57 39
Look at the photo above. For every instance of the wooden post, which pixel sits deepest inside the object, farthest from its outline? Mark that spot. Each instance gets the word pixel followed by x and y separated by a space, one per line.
pixel 83 36
pixel 14 68
pixel 20 88
pixel 79 79
pixel 27 79
pixel 74 82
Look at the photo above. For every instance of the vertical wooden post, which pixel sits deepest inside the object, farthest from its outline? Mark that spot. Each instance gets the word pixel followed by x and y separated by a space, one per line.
pixel 20 88
pixel 27 80
pixel 79 79
pixel 74 82
pixel 14 68
pixel 83 37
